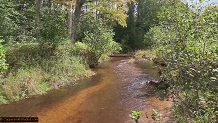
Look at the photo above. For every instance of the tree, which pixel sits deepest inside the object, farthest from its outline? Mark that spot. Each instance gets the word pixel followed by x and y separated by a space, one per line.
pixel 142 15
pixel 112 10
pixel 77 15
pixel 131 34
pixel 3 64
pixel 38 6
pixel 53 28
pixel 147 17
pixel 70 17
pixel 8 25
pixel 98 38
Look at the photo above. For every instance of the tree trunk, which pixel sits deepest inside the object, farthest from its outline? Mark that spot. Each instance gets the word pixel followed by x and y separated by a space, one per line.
pixel 38 6
pixel 77 13
pixel 69 21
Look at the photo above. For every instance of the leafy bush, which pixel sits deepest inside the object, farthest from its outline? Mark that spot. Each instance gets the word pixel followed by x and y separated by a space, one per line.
pixel 27 55
pixel 131 61
pixel 100 43
pixel 51 27
pixel 139 54
pixel 8 25
pixel 24 84
pixel 65 66
pixel 3 64
pixel 135 115
pixel 35 69
pixel 187 42
pixel 65 70
pixel 149 53
pixel 80 48
pixel 149 37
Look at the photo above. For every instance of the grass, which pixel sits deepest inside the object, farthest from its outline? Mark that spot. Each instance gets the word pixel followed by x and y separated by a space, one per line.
pixel 24 84
pixel 34 70
pixel 150 53
pixel 131 61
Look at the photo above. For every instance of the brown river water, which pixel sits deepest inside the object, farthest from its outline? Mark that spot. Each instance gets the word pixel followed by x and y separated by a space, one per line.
pixel 108 97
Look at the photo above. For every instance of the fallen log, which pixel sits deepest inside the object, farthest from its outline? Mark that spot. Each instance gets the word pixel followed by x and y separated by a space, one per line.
pixel 121 55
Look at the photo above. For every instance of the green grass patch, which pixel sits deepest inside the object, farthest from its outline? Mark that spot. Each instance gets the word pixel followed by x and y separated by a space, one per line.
pixel 35 69
pixel 150 53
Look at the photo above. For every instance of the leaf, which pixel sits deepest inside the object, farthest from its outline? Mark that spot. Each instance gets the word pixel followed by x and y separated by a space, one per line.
pixel 135 115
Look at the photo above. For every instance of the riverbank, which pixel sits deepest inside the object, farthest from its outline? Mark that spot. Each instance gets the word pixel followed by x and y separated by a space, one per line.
pixel 36 69
pixel 166 111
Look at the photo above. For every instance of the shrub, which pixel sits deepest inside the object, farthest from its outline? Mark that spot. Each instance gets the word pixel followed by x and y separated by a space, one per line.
pixel 24 84
pixel 187 42
pixel 27 55
pixel 139 54
pixel 100 43
pixel 35 69
pixel 98 38
pixel 3 64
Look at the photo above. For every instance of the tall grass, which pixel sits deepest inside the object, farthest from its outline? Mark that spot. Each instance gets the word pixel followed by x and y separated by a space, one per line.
pixel 36 69
pixel 149 53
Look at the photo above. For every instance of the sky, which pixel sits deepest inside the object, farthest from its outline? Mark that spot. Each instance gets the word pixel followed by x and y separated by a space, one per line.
pixel 201 5
pixel 206 2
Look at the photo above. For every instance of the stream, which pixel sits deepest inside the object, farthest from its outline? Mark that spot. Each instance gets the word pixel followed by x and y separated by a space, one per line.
pixel 108 97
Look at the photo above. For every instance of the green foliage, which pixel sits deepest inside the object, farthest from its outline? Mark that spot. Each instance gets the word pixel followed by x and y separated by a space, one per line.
pixel 64 67
pixel 139 54
pixel 8 25
pixel 187 42
pixel 19 24
pixel 3 100
pixel 112 14
pixel 26 83
pixel 149 37
pixel 135 115
pixel 98 41
pixel 63 71
pixel 35 69
pixel 51 24
pixel 27 55
pixel 39 57
pixel 147 11
pixel 80 48
pixel 3 64
pixel 142 15
pixel 131 61
pixel 149 54
pixel 17 21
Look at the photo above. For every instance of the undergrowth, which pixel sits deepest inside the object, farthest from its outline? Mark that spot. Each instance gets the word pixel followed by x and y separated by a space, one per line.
pixel 148 54
pixel 35 69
